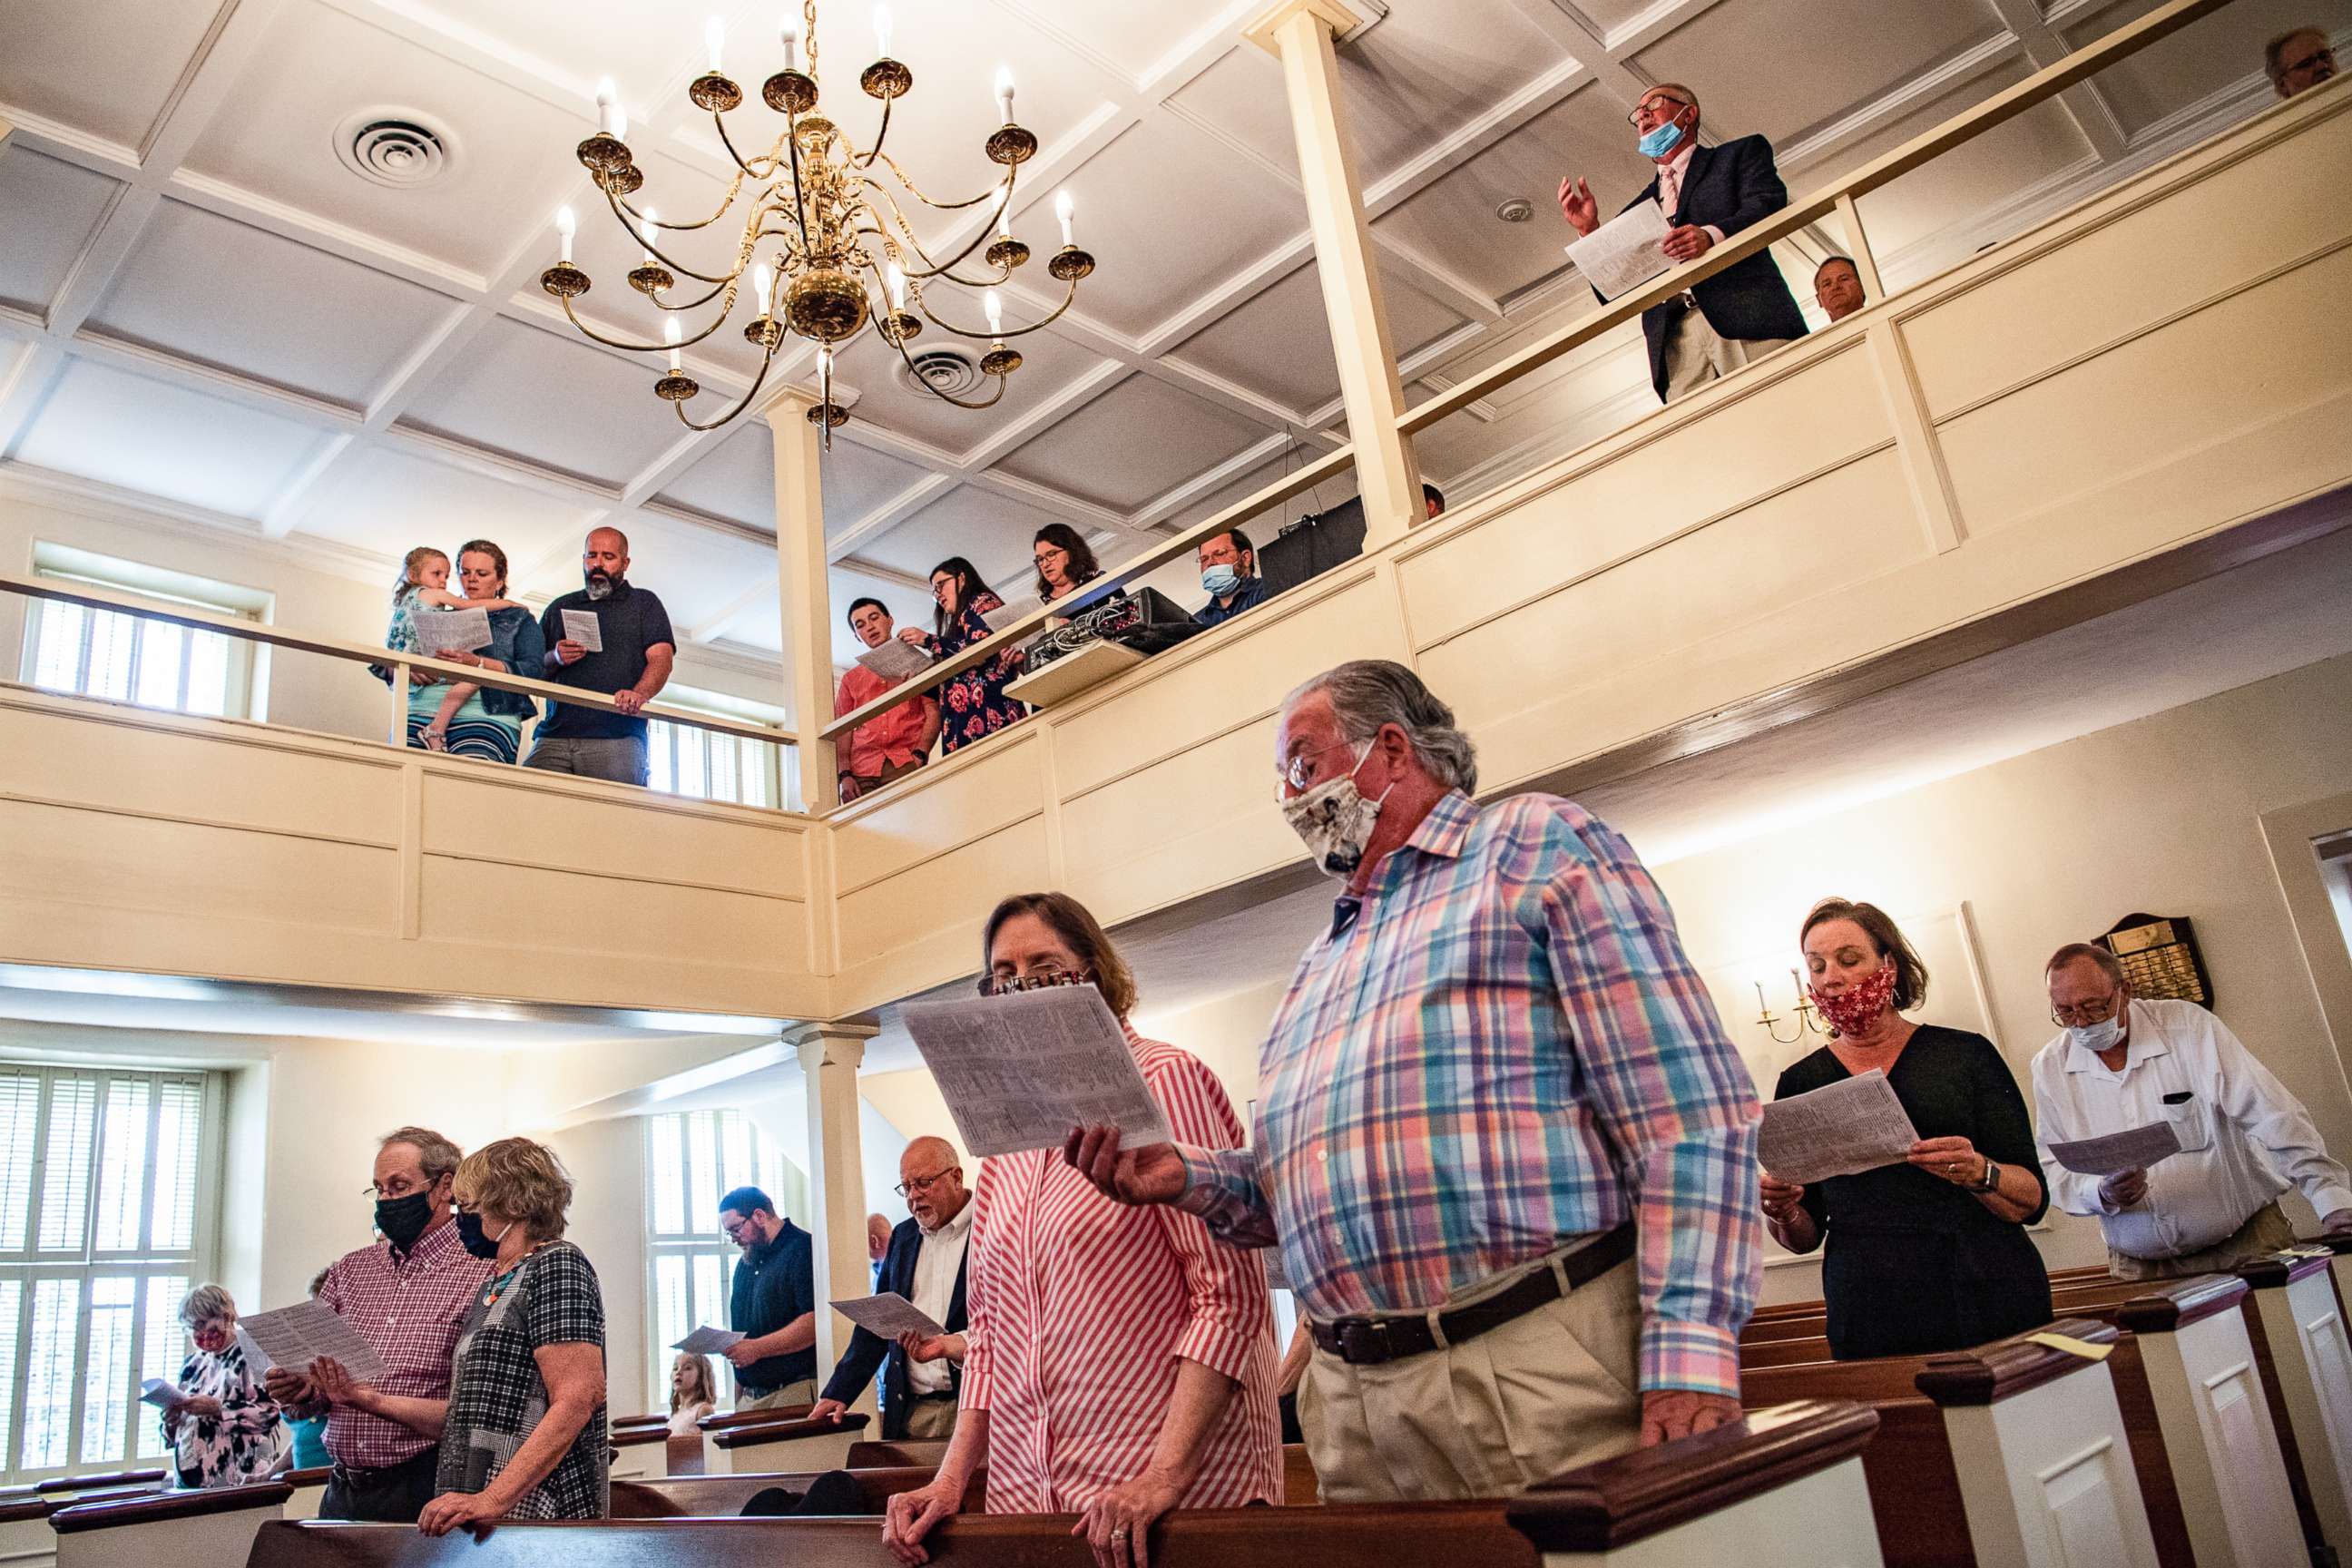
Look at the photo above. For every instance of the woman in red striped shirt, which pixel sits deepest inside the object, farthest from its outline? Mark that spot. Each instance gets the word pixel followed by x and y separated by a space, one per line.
pixel 1120 1361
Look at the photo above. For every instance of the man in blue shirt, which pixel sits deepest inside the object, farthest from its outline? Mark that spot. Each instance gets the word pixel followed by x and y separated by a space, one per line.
pixel 774 1304
pixel 631 662
pixel 1229 572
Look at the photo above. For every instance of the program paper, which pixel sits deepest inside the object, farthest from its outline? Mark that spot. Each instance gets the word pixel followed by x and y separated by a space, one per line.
pixel 896 661
pixel 294 1336
pixel 1623 254
pixel 163 1395
pixel 2134 1148
pixel 1835 1130
pixel 1005 615
pixel 583 628
pixel 1020 1071
pixel 708 1340
pixel 452 631
pixel 889 1314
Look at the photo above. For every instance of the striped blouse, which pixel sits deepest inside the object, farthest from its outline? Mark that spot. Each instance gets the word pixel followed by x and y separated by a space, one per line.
pixel 1080 1308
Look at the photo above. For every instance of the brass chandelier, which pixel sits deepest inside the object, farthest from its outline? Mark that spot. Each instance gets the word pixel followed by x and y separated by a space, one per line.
pixel 845 254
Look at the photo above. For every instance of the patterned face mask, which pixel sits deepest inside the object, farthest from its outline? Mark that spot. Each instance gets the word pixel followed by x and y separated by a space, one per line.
pixel 1850 1010
pixel 1334 820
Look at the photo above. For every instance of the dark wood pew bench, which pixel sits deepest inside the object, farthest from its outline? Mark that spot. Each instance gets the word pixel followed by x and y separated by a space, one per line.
pixel 642 1452
pixel 798 1444
pixel 2297 1321
pixel 723 1497
pixel 103 1482
pixel 1785 1486
pixel 711 1425
pixel 929 1453
pixel 210 1528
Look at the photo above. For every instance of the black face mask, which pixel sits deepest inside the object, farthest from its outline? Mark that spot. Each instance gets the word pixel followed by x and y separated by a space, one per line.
pixel 469 1232
pixel 403 1220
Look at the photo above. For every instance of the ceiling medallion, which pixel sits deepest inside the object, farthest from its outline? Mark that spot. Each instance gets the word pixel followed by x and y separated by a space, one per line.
pixel 844 257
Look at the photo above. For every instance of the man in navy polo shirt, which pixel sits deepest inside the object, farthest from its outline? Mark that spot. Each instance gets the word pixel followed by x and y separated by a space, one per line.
pixel 773 1303
pixel 632 662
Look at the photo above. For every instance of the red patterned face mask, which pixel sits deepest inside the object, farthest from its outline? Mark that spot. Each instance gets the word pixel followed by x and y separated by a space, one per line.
pixel 1850 1010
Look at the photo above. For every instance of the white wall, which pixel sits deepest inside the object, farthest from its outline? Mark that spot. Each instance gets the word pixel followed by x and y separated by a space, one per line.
pixel 2161 815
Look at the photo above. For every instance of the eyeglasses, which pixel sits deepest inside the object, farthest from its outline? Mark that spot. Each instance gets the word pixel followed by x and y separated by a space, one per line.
pixel 1037 980
pixel 2323 56
pixel 398 1188
pixel 1051 552
pixel 1295 772
pixel 2098 1011
pixel 1650 107
pixel 914 1185
pixel 736 1232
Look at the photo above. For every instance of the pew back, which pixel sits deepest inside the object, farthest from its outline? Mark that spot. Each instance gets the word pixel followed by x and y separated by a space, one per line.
pixel 2297 1321
pixel 210 1528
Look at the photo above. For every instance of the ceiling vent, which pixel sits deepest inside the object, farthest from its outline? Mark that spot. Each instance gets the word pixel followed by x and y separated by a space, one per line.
pixel 396 147
pixel 951 371
pixel 1518 209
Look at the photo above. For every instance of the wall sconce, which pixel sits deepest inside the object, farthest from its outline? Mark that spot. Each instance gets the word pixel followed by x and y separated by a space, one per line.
pixel 1808 1020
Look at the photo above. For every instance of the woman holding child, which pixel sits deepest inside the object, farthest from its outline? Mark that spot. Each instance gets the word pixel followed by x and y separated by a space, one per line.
pixel 458 717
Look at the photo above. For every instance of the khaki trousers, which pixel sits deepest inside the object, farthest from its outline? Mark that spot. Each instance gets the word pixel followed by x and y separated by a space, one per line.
pixel 1696 353
pixel 2265 1233
pixel 1546 1392
pixel 801 1392
pixel 930 1418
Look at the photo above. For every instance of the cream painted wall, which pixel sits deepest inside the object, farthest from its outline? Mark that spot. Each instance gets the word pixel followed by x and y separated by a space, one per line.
pixel 607 1160
pixel 2161 815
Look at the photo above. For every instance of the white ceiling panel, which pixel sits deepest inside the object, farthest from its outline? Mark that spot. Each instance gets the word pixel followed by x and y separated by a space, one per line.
pixel 1948 192
pixel 548 398
pixel 1133 37
pixel 1771 68
pixel 2202 58
pixel 886 400
pixel 1234 212
pixel 735 479
pixel 295 316
pixel 988 530
pixel 857 479
pixel 697 571
pixel 1415 319
pixel 1134 442
pixel 387 502
pixel 35 257
pixel 1277 345
pixel 1241 98
pixel 1454 222
pixel 275 135
pixel 189 447
pixel 105 67
pixel 1430 70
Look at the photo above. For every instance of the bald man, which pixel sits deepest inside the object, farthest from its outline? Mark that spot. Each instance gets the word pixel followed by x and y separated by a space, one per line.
pixel 925 1264
pixel 629 662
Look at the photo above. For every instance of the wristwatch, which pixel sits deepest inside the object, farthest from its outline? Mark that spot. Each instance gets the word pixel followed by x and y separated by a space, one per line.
pixel 1991 1179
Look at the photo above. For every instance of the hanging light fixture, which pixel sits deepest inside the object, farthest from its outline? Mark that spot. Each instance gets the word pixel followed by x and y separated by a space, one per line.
pixel 825 247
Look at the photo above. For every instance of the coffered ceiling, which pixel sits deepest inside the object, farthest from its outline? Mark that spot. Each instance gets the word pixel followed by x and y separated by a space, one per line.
pixel 203 307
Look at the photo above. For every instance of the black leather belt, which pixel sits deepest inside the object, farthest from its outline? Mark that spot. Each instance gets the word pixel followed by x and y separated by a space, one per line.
pixel 1370 1341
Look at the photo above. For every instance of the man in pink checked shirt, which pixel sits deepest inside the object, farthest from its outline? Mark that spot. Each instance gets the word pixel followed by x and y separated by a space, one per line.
pixel 1503 1144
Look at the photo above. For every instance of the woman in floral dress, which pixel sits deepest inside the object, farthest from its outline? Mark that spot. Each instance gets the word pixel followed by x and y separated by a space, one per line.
pixel 223 1430
pixel 973 704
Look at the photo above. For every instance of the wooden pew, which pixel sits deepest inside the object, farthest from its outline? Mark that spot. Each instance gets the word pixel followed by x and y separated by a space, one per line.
pixel 2297 1321
pixel 926 1452
pixel 26 1539
pixel 711 1425
pixel 209 1529
pixel 795 1445
pixel 309 1491
pixel 2003 1456
pixel 723 1497
pixel 1783 1487
pixel 641 1453
pixel 102 1481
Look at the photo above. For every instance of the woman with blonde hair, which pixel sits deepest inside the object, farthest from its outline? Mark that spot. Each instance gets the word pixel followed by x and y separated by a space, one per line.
pixel 523 1433
pixel 1929 1253
pixel 1120 1361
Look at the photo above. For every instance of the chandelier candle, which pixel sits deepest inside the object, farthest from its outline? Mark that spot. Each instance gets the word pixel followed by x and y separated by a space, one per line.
pixel 566 225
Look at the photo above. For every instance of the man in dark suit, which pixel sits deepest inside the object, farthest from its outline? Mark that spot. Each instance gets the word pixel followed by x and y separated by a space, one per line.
pixel 926 1265
pixel 1744 312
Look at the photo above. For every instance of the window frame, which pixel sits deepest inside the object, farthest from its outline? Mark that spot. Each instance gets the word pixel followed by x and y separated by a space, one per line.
pixel 771 761
pixel 247 665
pixel 91 1263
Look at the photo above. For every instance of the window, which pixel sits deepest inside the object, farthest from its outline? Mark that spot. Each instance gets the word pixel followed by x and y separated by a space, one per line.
pixel 104 1181
pixel 131 657
pixel 709 766
pixel 692 1159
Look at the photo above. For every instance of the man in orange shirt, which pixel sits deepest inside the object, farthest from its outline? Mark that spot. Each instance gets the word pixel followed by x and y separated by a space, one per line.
pixel 898 743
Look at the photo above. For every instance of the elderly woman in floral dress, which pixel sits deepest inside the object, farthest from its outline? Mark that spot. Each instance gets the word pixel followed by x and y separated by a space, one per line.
pixel 223 1430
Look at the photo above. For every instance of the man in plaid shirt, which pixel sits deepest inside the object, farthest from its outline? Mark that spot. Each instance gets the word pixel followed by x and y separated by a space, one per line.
pixel 1503 1144
pixel 407 1296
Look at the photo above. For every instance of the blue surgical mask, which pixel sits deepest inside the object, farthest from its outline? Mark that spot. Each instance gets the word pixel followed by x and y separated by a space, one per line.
pixel 1221 580
pixel 2099 1037
pixel 1661 139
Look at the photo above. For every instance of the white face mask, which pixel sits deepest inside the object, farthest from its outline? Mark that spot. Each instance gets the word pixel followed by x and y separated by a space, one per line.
pixel 2099 1037
pixel 1335 820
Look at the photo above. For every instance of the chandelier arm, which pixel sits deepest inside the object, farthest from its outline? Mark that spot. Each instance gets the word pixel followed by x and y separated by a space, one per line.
pixel 769 359
pixel 947 326
pixel 793 143
pixel 943 396
pixel 881 134
pixel 733 187
pixel 942 268
pixel 655 252
pixel 771 159
pixel 592 334
pixel 917 191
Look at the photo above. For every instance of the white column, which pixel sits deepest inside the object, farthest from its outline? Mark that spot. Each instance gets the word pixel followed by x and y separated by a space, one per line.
pixel 1300 33
pixel 829 1057
pixel 807 600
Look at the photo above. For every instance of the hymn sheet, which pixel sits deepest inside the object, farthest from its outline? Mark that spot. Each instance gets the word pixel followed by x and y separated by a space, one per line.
pixel 585 627
pixel 1835 1130
pixel 2134 1148
pixel 1020 1071
pixel 452 631
pixel 999 619
pixel 889 1314
pixel 1623 254
pixel 294 1336
pixel 895 660
pixel 163 1395
pixel 708 1340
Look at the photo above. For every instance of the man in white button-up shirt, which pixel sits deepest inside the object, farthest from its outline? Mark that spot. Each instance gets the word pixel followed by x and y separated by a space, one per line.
pixel 2123 1063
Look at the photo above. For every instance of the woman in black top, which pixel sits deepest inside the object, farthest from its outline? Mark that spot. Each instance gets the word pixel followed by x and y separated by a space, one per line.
pixel 1930 1254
